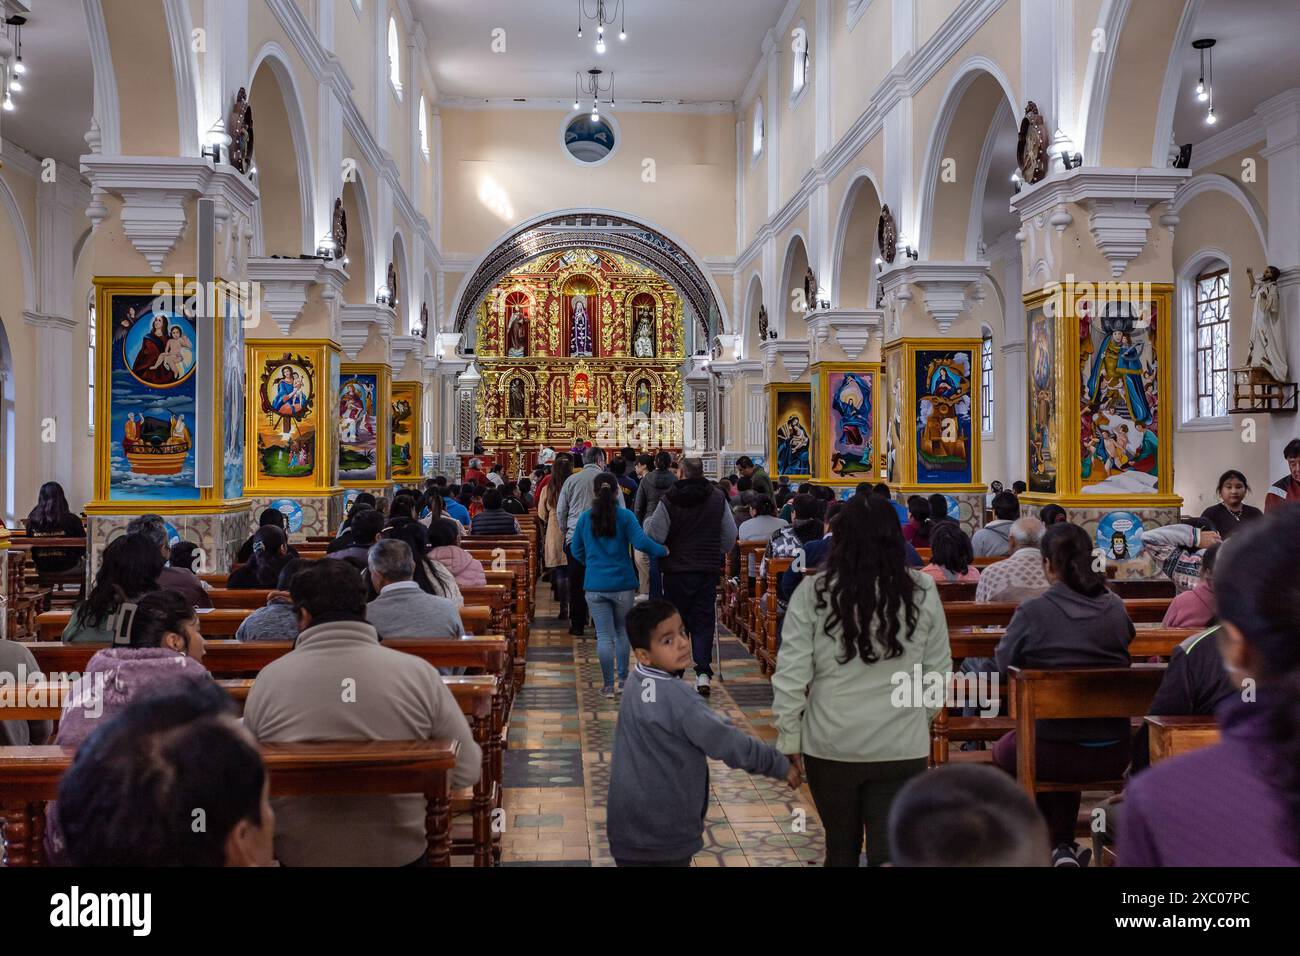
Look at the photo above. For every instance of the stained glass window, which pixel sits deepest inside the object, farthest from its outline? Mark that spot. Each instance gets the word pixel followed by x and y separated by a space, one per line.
pixel 1212 318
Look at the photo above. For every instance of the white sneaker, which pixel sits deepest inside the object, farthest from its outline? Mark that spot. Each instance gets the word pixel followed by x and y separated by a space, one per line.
pixel 640 598
pixel 703 684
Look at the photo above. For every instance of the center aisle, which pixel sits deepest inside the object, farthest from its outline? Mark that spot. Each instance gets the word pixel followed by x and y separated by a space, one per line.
pixel 561 743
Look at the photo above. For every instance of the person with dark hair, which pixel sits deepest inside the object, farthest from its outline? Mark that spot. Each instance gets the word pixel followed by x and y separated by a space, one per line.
pixel 1018 488
pixel 17 665
pixel 847 632
pixel 429 575
pixel 361 502
pixel 762 481
pixel 664 737
pixel 694 522
pixel 128 800
pixel 525 488
pixel 496 477
pixel 275 620
pixel 1076 623
pixel 269 516
pixel 553 552
pixel 601 541
pixel 761 524
pixel 402 606
pixel 393 696
pixel 402 509
pixel 966 815
pixel 652 487
pixel 344 539
pixel 575 498
pixel 618 468
pixel 171 577
pixel 52 518
pixel 128 570
pixel 951 557
pixel 455 508
pixel 1050 515
pixel 445 550
pixel 1231 512
pixel 365 529
pixel 917 530
pixel 994 539
pixel 510 502
pixel 1286 490
pixel 186 554
pixel 270 555
pixel 1175 813
pixel 643 465
pixel 1197 607
pixel 882 490
pixel 492 519
pixel 938 510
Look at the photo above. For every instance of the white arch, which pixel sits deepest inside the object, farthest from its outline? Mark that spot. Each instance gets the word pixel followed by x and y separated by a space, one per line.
pixel 185 69
pixel 961 80
pixel 107 113
pixel 754 280
pixel 860 176
pixel 274 55
pixel 724 320
pixel 787 282
pixel 362 198
pixel 1216 183
pixel 1097 77
pixel 406 298
pixel 24 246
pixel 975 225
pixel 1188 418
pixel 1169 89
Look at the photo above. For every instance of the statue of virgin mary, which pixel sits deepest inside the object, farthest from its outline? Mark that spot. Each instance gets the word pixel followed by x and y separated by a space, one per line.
pixel 580 343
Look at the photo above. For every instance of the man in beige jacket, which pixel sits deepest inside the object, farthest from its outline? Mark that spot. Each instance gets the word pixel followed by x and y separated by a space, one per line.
pixel 340 683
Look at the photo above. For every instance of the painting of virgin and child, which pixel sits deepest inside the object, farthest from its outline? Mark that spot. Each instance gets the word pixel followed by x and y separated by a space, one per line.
pixel 286 429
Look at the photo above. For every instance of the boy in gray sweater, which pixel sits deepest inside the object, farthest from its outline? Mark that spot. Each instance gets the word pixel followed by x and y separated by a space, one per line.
pixel 659 781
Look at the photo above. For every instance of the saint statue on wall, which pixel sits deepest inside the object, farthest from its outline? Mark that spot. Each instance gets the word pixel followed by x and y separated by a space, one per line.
pixel 516 398
pixel 580 342
pixel 517 334
pixel 1267 347
pixel 643 338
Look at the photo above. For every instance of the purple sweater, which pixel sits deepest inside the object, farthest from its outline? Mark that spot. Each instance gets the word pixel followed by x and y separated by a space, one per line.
pixel 1218 806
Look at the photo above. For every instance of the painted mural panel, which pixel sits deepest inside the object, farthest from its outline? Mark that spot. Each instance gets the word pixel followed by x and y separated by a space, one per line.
pixel 1042 401
pixel 152 401
pixel 289 417
pixel 894 431
pixel 852 410
pixel 234 381
pixel 1119 394
pixel 943 415
pixel 358 424
pixel 791 431
pixel 404 449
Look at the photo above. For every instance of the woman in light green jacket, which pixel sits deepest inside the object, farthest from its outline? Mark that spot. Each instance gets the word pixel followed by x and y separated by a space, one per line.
pixel 853 703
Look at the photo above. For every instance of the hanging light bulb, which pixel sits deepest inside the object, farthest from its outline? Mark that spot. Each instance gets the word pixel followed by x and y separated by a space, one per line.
pixel 577 105
pixel 622 35
pixel 20 68
pixel 1210 118
pixel 600 45
pixel 16 85
pixel 1201 93
pixel 8 103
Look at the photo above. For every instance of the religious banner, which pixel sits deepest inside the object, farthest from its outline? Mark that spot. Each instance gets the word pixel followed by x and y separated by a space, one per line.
pixel 790 430
pixel 288 416
pixel 894 430
pixel 235 377
pixel 1040 319
pixel 406 413
pixel 848 415
pixel 363 431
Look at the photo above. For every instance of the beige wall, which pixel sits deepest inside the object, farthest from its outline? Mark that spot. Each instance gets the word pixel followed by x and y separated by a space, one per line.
pixel 859 61
pixel 798 124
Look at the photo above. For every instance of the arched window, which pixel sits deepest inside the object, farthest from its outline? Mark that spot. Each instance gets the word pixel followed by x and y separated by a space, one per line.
pixel 394 58
pixel 986 381
pixel 800 47
pixel 758 129
pixel 90 363
pixel 1211 342
pixel 424 129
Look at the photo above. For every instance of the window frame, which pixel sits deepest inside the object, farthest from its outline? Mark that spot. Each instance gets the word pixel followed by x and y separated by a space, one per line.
pixel 1220 278
pixel 394 58
pixel 797 95
pixel 423 128
pixel 758 134
pixel 1203 261
pixel 988 400
pixel 92 356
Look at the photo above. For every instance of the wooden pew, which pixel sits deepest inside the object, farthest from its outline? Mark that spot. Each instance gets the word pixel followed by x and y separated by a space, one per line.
pixel 29 776
pixel 24 603
pixel 1175 736
pixel 969 614
pixel 512 581
pixel 513 542
pixel 769 616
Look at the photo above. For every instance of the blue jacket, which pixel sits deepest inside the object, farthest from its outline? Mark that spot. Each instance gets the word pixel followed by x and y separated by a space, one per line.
pixel 608 565
pixel 457 511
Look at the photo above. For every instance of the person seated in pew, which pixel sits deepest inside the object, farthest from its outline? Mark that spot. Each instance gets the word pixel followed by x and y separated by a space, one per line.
pixel 950 554
pixel 849 631
pixel 1194 685
pixel 1236 803
pixel 157 650
pixel 917 530
pixel 994 539
pixel 761 525
pixel 510 501
pixel 365 529
pixel 1052 514
pixel 269 556
pixel 171 577
pixel 127 571
pixel 456 510
pixel 444 541
pixel 431 576
pixel 1019 577
pixel 1231 512
pixel 402 510
pixel 340 683
pixel 966 815
pixel 1077 622
pixel 360 503
pixel 659 775
pixel 401 608
pixel 938 512
pixel 525 493
pixel 435 513
pixel 276 620
pixel 188 554
pixel 52 518
pixel 129 797
pixel 1176 551
pixel 17 666
pixel 1197 607
pixel 269 516
pixel 492 519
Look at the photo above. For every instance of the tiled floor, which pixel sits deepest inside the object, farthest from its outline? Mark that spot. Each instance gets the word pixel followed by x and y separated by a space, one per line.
pixel 561 741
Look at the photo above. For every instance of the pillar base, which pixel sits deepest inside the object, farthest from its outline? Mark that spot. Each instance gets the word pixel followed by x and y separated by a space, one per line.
pixel 219 533
pixel 322 512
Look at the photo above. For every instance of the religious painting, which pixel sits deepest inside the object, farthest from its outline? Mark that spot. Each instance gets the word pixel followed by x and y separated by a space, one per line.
pixel 943 429
pixel 1042 398
pixel 790 424
pixel 852 422
pixel 286 412
pixel 1119 413
pixel 894 430
pixel 405 415
pixel 152 400
pixel 358 425
pixel 234 382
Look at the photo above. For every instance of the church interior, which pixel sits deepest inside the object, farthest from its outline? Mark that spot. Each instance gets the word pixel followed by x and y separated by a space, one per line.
pixel 449 291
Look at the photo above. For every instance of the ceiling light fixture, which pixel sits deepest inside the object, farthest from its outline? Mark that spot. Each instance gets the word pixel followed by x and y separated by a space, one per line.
pixel 1204 87
pixel 592 87
pixel 606 12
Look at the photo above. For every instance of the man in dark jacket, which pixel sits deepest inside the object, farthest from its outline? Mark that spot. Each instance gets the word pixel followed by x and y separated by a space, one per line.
pixel 652 486
pixel 760 481
pixel 694 521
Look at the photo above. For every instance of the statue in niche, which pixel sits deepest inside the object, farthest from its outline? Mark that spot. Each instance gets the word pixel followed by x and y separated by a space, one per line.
pixel 762 323
pixel 580 342
pixel 643 340
pixel 1267 346
pixel 516 398
pixel 517 334
pixel 643 398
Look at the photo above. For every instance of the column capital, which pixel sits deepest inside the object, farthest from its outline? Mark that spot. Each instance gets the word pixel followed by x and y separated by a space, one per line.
pixel 357 321
pixel 852 328
pixel 404 345
pixel 795 355
pixel 949 287
pixel 286 285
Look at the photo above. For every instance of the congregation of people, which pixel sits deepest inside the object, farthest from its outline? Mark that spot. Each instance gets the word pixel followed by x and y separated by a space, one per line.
pixel 635 546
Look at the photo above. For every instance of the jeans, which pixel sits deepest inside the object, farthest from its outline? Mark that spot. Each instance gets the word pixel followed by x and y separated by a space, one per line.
pixel 577 597
pixel 649 580
pixel 609 613
pixel 693 593
pixel 854 798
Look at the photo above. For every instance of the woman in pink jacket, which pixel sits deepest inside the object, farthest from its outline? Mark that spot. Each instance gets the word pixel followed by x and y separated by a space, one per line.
pixel 1197 607
pixel 444 536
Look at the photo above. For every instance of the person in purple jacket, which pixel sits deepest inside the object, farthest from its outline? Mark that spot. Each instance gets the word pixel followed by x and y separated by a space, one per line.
pixel 1236 803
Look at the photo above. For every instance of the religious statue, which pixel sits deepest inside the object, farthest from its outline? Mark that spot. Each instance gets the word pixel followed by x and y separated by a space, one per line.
pixel 762 323
pixel 240 129
pixel 1031 149
pixel 516 398
pixel 810 290
pixel 1267 346
pixel 580 342
pixel 517 334
pixel 643 340
pixel 643 399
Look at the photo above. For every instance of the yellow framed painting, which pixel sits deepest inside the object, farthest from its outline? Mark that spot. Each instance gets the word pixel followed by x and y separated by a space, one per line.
pixel 790 428
pixel 363 409
pixel 847 410
pixel 406 417
pixel 292 393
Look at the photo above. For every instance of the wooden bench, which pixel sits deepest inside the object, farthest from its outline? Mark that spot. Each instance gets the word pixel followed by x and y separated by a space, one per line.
pixel 29 776
pixel 513 542
pixel 1175 736
pixel 970 614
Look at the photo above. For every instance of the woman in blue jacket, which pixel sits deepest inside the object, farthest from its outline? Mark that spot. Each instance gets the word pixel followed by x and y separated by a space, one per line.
pixel 600 542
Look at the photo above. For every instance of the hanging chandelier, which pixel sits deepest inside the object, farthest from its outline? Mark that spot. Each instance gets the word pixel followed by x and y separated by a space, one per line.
pixel 1204 86
pixel 12 68
pixel 592 87
pixel 605 13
